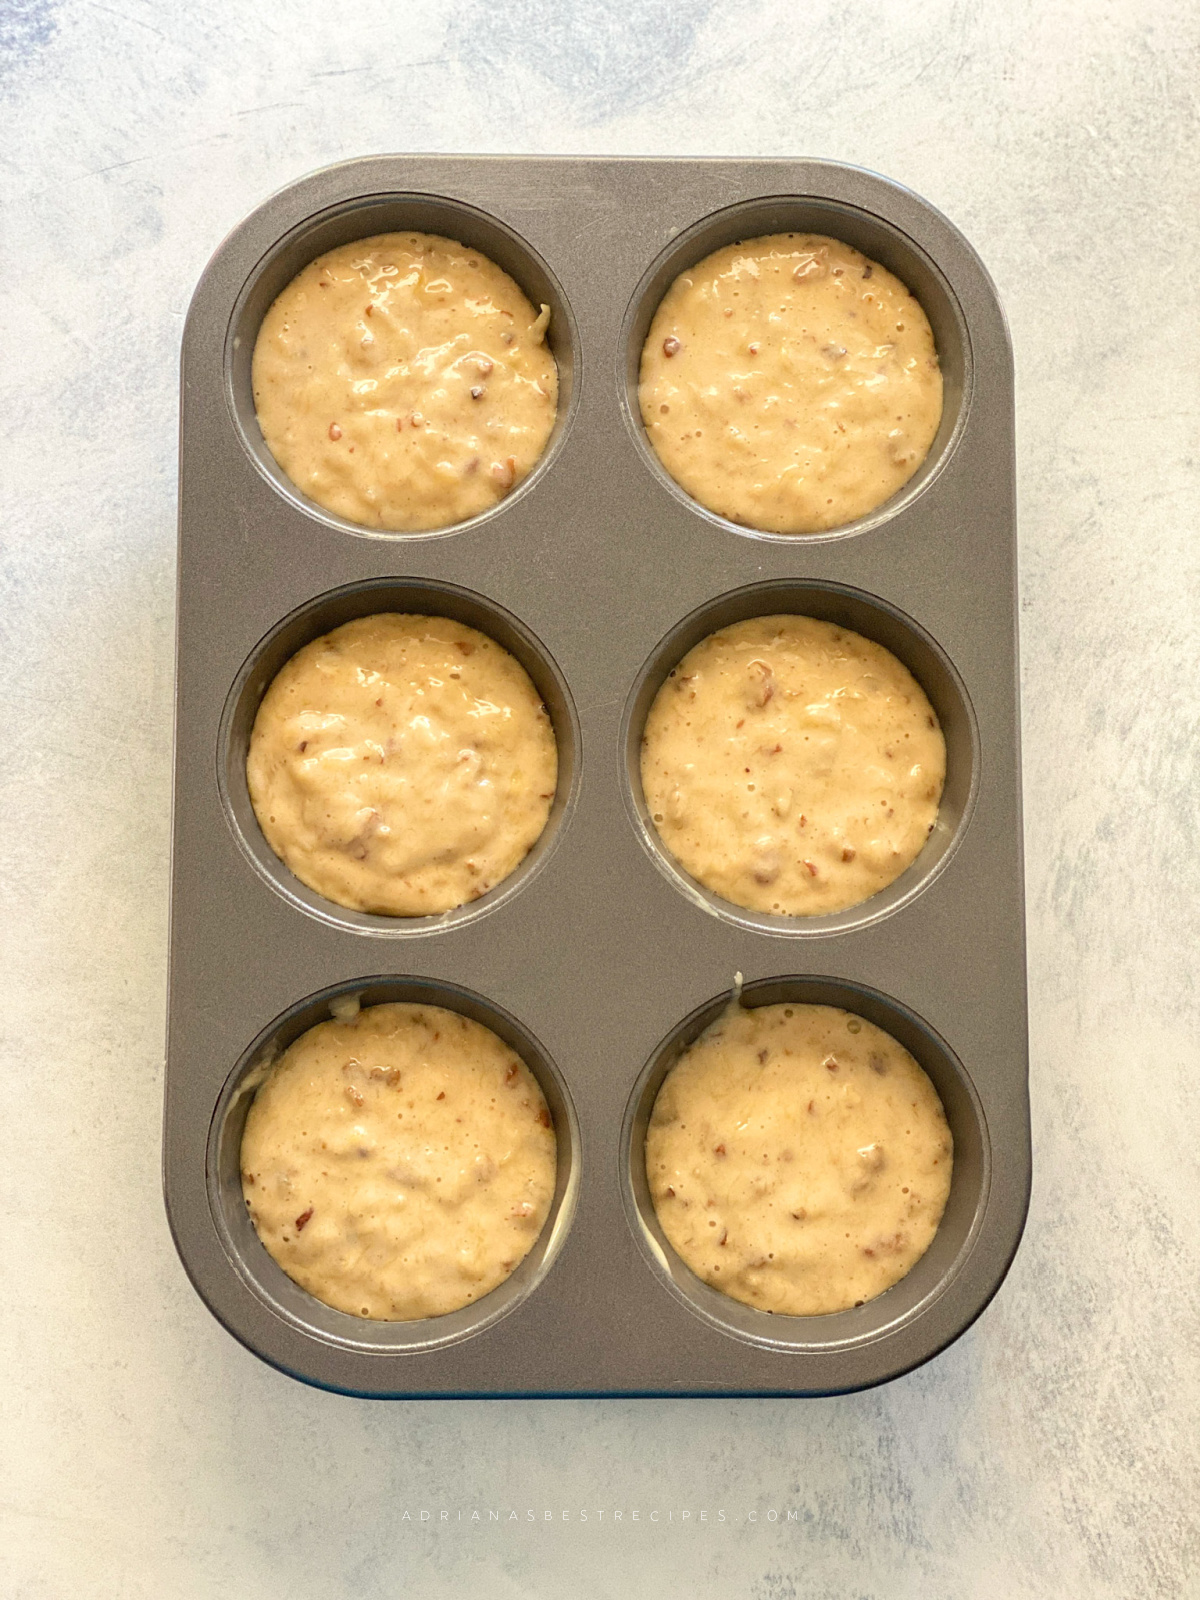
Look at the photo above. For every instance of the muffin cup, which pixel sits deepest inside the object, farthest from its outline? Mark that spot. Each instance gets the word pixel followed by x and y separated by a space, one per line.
pixel 961 1220
pixel 877 239
pixel 911 645
pixel 285 1299
pixel 320 616
pixel 362 218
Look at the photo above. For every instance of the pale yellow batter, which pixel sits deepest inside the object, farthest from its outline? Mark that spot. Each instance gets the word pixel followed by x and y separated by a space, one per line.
pixel 798 1158
pixel 403 382
pixel 399 1164
pixel 792 766
pixel 402 764
pixel 790 384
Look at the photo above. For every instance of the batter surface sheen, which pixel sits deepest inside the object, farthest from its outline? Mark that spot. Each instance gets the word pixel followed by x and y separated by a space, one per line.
pixel 402 765
pixel 792 766
pixel 400 1163
pixel 799 1159
pixel 790 384
pixel 403 382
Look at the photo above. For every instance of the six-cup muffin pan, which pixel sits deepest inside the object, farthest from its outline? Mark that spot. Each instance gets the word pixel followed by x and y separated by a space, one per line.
pixel 598 959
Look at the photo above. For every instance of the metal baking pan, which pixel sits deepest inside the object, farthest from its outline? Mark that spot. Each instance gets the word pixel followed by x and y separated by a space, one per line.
pixel 598 960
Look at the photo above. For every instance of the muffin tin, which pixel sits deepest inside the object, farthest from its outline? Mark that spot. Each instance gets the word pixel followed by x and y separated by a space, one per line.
pixel 599 959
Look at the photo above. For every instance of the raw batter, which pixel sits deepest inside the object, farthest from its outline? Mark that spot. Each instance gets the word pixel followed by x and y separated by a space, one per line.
pixel 798 1158
pixel 790 384
pixel 792 766
pixel 402 764
pixel 400 1163
pixel 404 382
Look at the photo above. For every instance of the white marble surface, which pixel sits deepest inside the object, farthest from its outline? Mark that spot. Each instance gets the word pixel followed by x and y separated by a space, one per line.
pixel 1052 1451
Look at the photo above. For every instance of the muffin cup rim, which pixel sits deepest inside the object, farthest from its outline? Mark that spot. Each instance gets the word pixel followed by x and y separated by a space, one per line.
pixel 468 1323
pixel 766 1329
pixel 629 362
pixel 834 924
pixel 275 872
pixel 264 462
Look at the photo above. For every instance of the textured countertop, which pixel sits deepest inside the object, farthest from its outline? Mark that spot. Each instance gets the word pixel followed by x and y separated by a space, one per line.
pixel 1053 1450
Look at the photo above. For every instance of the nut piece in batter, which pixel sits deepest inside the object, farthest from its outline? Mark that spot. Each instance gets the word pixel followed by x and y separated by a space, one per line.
pixel 792 766
pixel 790 384
pixel 403 382
pixel 402 764
pixel 400 1163
pixel 799 1159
